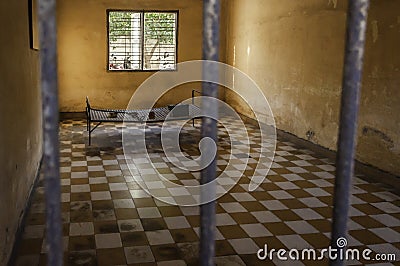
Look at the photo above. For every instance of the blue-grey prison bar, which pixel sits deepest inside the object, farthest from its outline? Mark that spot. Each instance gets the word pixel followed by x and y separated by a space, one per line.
pixel 48 64
pixel 353 61
pixel 211 18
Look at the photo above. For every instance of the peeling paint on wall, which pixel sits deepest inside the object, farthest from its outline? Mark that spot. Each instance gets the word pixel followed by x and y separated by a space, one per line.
pixel 310 134
pixel 375 30
pixel 333 2
pixel 375 72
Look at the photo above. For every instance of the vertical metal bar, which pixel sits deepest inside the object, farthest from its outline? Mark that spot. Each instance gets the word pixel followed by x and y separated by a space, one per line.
pixel 211 18
pixel 353 61
pixel 142 49
pixel 48 63
pixel 193 104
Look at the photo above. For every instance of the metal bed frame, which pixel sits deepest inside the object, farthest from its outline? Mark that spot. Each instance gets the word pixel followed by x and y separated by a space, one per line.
pixel 154 115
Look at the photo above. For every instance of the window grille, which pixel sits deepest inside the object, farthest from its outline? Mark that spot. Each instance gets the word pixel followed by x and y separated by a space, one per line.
pixel 142 40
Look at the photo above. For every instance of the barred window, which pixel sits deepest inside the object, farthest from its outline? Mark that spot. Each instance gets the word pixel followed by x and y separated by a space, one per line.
pixel 140 40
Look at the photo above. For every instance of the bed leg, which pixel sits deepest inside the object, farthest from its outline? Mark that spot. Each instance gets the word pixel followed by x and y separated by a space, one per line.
pixel 90 132
pixel 193 122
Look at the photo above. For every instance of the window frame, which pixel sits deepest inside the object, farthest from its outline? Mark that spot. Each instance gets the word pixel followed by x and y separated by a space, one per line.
pixel 142 40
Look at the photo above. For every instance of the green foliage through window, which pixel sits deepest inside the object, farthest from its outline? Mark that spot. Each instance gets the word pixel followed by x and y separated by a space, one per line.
pixel 119 24
pixel 160 26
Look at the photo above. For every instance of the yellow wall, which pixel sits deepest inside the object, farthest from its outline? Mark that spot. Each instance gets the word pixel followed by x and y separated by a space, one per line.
pixel 294 51
pixel 20 119
pixel 82 50
pixel 379 127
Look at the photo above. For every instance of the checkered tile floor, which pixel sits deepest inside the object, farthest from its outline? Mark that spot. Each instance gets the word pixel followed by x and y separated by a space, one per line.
pixel 109 220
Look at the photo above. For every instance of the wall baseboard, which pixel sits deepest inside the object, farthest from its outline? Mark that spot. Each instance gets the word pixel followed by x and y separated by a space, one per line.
pixel 72 115
pixel 368 172
pixel 20 230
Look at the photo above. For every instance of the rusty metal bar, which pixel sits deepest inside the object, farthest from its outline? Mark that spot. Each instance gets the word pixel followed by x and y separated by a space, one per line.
pixel 48 64
pixel 353 61
pixel 211 18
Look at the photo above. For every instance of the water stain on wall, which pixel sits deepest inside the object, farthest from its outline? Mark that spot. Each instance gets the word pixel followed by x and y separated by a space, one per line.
pixel 298 61
pixel 370 131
